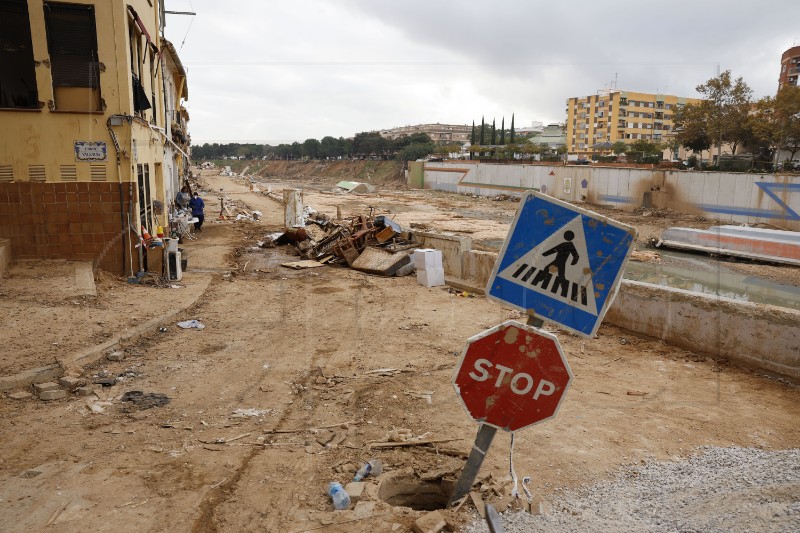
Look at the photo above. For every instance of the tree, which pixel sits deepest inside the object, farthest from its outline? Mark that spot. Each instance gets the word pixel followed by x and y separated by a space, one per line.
pixel 726 106
pixel 369 143
pixel 690 128
pixel 503 131
pixel 415 151
pixel 483 138
pixel 472 135
pixel 619 147
pixel 311 148
pixel 512 140
pixel 494 134
pixel 776 122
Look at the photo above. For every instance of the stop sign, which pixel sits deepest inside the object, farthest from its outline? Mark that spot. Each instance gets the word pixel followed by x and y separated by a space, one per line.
pixel 512 376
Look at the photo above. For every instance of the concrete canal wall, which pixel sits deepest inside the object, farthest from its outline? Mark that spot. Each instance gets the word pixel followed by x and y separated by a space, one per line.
pixel 736 197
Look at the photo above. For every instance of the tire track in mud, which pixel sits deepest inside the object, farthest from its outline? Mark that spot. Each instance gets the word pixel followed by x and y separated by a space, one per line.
pixel 206 522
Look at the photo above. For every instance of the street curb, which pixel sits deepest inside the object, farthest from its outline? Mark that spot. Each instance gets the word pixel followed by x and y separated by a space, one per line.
pixel 93 354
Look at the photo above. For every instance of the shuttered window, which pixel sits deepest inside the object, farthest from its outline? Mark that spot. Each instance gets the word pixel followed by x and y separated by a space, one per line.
pixel 72 44
pixel 17 75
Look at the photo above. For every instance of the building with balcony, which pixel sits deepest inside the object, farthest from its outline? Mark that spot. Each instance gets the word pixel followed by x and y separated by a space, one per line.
pixel 444 133
pixel 87 120
pixel 790 67
pixel 612 115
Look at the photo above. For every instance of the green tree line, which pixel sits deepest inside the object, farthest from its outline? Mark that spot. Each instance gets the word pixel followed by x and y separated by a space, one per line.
pixel 363 145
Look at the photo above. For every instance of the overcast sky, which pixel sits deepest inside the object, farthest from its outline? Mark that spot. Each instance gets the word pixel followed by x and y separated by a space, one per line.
pixel 286 70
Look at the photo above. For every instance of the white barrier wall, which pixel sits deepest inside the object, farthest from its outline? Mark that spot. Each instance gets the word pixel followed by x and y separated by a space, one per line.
pixel 736 197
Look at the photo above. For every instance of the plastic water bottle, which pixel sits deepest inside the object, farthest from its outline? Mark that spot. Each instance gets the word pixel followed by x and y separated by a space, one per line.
pixel 373 468
pixel 339 496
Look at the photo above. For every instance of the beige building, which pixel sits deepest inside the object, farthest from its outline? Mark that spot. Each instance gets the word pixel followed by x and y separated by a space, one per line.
pixel 613 115
pixel 85 128
pixel 455 133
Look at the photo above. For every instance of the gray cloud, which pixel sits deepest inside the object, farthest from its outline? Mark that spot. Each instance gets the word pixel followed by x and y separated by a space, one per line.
pixel 288 70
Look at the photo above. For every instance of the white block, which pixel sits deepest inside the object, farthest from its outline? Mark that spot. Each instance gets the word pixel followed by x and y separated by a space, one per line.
pixel 427 258
pixel 430 277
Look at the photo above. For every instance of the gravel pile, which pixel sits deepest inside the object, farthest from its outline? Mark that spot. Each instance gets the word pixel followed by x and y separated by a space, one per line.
pixel 719 490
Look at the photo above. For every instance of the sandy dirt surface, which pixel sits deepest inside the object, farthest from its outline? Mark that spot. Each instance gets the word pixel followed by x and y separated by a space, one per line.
pixel 277 396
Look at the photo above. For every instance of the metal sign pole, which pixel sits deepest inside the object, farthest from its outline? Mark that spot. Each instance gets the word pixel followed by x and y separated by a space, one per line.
pixel 482 442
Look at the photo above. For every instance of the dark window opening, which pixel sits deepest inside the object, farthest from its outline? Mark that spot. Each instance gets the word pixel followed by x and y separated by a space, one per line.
pixel 72 44
pixel 17 73
pixel 143 173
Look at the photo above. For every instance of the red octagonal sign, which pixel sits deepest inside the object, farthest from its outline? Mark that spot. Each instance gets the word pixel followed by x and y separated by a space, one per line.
pixel 512 376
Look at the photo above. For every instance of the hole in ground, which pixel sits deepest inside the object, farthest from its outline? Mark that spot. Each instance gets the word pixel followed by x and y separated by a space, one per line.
pixel 405 489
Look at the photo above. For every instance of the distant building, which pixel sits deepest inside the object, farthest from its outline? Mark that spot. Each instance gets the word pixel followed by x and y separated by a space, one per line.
pixel 437 132
pixel 790 67
pixel 535 127
pixel 554 136
pixel 613 115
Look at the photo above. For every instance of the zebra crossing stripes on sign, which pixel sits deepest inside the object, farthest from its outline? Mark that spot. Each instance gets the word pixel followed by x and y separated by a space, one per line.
pixel 561 263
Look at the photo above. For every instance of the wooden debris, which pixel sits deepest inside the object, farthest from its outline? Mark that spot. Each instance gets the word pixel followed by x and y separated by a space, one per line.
pixel 407 443
pixel 477 500
pixel 300 265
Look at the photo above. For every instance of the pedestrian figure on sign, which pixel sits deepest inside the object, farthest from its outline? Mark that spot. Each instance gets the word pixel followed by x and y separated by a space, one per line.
pixel 198 212
pixel 563 251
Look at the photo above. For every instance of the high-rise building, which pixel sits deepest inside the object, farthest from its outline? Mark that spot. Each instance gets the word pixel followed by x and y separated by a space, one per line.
pixel 790 67
pixel 614 115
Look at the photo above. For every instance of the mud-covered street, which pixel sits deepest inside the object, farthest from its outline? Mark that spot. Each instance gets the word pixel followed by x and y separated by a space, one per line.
pixel 300 376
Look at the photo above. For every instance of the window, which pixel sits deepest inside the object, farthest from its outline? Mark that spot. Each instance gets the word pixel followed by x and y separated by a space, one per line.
pixel 143 174
pixel 17 74
pixel 72 45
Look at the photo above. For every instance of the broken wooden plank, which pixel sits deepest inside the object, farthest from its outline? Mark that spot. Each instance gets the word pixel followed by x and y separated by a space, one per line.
pixel 300 265
pixel 407 443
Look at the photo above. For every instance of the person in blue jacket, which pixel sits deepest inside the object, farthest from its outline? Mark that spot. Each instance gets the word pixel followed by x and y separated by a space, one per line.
pixel 197 205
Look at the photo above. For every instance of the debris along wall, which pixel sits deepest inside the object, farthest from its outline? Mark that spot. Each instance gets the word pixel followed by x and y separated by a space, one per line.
pixel 756 335
pixel 735 197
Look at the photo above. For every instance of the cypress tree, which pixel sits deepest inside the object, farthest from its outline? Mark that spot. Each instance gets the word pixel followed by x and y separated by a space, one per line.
pixel 503 131
pixel 483 138
pixel 472 136
pixel 512 128
pixel 494 136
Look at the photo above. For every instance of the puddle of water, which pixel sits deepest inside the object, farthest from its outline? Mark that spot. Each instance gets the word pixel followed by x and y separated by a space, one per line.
pixel 708 277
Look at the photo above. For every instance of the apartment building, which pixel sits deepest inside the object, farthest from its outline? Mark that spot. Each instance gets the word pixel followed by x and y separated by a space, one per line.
pixel 613 115
pixel 86 126
pixel 455 133
pixel 790 67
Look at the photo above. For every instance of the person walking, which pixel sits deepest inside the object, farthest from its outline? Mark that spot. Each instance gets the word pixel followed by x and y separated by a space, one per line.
pixel 183 198
pixel 198 205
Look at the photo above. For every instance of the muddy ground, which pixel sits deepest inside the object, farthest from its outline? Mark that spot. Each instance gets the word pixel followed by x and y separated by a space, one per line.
pixel 278 395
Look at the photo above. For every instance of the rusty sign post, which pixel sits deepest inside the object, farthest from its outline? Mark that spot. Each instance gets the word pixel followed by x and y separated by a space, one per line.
pixel 510 377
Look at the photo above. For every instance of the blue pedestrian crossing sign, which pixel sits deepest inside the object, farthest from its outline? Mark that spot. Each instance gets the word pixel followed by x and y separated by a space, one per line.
pixel 561 263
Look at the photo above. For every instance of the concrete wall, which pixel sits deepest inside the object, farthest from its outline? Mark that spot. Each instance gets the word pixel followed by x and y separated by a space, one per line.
pixel 756 335
pixel 453 248
pixel 734 197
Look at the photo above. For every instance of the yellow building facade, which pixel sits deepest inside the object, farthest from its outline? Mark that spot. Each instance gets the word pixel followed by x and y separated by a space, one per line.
pixel 84 129
pixel 612 115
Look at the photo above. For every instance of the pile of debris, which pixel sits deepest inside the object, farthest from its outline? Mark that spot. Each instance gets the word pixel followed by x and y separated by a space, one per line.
pixel 373 244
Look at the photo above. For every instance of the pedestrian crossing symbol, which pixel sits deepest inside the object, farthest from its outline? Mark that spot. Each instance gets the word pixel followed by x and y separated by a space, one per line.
pixel 561 263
